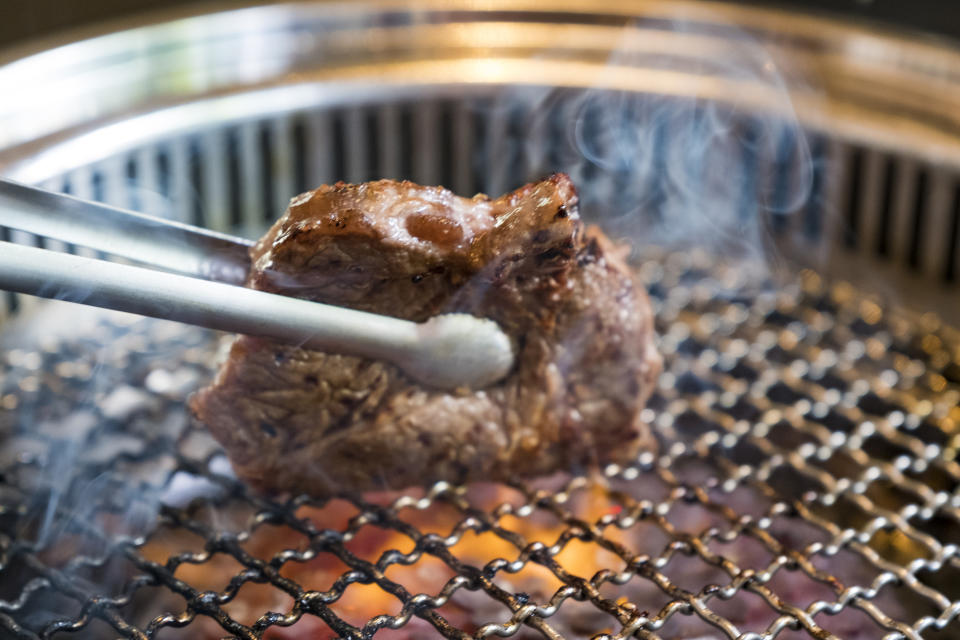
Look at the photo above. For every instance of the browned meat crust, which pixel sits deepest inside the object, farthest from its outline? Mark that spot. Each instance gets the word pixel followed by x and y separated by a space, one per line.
pixel 305 421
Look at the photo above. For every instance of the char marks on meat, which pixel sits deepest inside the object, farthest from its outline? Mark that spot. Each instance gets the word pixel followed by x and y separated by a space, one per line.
pixel 299 420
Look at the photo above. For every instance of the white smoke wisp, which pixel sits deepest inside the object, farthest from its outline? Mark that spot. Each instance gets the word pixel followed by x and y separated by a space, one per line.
pixel 76 488
pixel 55 504
pixel 711 154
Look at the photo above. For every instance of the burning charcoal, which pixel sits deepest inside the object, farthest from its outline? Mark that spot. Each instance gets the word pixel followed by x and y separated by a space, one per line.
pixel 298 420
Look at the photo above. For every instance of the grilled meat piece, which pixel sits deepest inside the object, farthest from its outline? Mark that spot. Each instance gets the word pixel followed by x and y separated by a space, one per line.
pixel 306 421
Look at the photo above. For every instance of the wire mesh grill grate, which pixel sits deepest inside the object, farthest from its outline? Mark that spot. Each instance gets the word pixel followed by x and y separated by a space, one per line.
pixel 806 487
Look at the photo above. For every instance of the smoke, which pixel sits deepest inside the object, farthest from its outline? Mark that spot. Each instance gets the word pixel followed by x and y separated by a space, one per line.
pixel 87 447
pixel 704 149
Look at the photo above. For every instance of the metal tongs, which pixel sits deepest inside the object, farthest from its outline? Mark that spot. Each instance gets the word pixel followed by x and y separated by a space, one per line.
pixel 447 351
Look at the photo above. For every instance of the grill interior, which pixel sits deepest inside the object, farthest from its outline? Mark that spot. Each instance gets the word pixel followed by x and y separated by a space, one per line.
pixel 806 487
pixel 788 194
pixel 806 484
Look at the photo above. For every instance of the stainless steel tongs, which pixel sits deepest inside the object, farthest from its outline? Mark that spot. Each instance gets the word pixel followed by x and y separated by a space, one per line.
pixel 448 351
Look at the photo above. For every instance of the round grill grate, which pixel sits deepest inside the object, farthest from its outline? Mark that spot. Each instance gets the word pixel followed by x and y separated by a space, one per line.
pixel 806 487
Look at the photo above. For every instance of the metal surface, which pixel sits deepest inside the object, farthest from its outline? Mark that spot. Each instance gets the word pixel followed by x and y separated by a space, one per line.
pixel 447 351
pixel 217 119
pixel 148 240
pixel 807 486
pixel 29 19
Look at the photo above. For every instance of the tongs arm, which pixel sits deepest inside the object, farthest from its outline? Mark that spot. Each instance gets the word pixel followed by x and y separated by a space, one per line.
pixel 145 239
pixel 448 351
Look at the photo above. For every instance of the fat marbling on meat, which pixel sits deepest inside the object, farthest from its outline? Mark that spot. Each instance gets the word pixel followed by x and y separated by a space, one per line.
pixel 299 420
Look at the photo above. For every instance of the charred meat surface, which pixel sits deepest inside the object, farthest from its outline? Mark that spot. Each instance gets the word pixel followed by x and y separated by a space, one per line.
pixel 307 421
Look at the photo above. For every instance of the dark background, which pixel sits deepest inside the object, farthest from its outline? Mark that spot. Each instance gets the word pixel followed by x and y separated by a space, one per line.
pixel 22 20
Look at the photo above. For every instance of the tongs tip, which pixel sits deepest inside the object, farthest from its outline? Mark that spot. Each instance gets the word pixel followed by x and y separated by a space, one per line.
pixel 461 350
